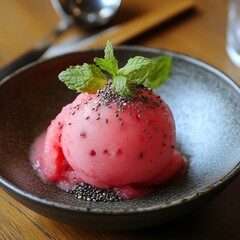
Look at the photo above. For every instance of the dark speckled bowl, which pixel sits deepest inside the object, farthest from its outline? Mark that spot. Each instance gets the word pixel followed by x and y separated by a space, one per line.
pixel 206 107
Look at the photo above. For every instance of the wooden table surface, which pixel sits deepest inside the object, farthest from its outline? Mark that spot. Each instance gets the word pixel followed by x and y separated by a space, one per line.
pixel 200 33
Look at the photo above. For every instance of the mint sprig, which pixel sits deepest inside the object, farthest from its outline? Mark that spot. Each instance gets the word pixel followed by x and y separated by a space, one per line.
pixel 137 71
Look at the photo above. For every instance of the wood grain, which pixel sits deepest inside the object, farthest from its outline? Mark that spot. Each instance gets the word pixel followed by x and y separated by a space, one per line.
pixel 200 33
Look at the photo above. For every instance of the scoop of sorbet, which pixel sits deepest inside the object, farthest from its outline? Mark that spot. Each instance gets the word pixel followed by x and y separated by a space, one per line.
pixel 110 141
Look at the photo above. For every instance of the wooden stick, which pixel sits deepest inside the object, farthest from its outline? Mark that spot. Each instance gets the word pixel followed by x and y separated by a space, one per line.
pixel 123 32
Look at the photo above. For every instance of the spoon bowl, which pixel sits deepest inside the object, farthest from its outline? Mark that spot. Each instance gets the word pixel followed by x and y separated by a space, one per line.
pixel 87 13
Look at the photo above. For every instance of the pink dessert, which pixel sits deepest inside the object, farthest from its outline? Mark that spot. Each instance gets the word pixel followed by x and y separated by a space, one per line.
pixel 110 141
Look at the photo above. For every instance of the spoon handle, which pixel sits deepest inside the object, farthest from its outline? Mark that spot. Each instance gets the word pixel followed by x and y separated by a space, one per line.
pixel 36 52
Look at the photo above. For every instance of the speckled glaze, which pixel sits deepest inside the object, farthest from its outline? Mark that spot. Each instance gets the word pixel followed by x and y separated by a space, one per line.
pixel 206 107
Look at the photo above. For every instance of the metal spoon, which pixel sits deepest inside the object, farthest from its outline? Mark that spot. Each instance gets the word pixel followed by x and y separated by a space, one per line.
pixel 86 13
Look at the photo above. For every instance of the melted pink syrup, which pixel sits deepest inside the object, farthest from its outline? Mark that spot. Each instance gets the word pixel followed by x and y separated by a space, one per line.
pixel 69 178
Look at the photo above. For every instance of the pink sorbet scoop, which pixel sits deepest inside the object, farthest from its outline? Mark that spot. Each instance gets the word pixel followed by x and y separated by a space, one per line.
pixel 110 141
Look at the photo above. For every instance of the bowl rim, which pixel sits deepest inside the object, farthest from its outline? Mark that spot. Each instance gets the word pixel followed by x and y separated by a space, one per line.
pixel 230 176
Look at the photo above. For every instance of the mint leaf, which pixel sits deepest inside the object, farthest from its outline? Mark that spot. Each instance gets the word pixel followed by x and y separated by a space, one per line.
pixel 120 85
pixel 159 71
pixel 106 64
pixel 84 78
pixel 109 63
pixel 109 52
pixel 135 68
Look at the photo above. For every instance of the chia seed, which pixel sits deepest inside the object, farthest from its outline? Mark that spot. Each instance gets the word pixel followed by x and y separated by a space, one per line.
pixel 140 100
pixel 87 192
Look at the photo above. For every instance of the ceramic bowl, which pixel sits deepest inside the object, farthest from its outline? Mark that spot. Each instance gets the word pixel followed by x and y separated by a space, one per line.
pixel 206 108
